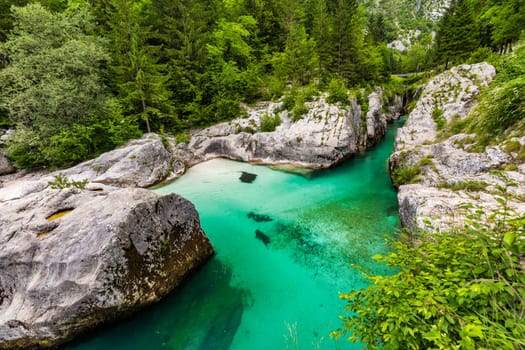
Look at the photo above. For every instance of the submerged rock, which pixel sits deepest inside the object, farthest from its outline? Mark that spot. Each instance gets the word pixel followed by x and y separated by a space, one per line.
pixel 247 177
pixel 259 217
pixel 261 236
pixel 72 259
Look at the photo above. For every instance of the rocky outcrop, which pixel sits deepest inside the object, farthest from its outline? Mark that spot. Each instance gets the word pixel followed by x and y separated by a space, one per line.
pixel 140 163
pixel 323 137
pixel 71 259
pixel 444 180
pixel 5 166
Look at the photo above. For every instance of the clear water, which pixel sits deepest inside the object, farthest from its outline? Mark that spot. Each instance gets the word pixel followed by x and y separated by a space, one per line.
pixel 272 284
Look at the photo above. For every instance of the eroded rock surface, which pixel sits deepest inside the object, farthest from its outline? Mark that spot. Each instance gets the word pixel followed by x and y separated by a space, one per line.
pixel 106 252
pixel 445 180
pixel 323 137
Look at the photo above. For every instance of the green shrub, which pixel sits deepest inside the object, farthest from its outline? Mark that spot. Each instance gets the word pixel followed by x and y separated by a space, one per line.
pixel 505 106
pixel 269 123
pixel 425 161
pixel 482 54
pixel 337 91
pixel 405 174
pixel 463 289
pixel 299 108
pixel 512 146
pixel 361 97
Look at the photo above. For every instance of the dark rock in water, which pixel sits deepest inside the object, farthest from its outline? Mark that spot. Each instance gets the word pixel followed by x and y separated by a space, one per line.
pixel 392 210
pixel 259 217
pixel 247 177
pixel 261 236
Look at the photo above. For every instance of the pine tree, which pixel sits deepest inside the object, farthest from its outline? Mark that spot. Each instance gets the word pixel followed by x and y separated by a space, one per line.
pixel 141 81
pixel 457 34
pixel 299 61
pixel 347 40
pixel 320 32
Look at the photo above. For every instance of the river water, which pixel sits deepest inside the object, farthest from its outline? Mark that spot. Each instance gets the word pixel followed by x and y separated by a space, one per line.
pixel 285 244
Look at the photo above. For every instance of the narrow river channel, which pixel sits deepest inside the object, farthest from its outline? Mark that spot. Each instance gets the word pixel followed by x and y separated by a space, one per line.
pixel 285 244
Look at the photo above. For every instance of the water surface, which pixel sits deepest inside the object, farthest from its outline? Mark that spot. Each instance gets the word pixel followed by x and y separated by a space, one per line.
pixel 284 246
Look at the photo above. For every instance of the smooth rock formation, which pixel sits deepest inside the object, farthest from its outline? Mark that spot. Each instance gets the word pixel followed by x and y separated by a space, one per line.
pixel 5 166
pixel 326 135
pixel 71 259
pixel 451 181
pixel 140 163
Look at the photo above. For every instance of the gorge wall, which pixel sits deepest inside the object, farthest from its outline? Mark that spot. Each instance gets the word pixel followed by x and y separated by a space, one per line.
pixel 444 179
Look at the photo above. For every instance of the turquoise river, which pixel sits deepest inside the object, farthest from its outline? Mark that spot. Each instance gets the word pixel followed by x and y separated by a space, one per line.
pixel 285 245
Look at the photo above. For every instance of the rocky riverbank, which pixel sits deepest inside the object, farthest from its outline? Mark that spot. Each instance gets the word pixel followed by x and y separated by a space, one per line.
pixel 72 259
pixel 442 180
pixel 82 246
pixel 323 137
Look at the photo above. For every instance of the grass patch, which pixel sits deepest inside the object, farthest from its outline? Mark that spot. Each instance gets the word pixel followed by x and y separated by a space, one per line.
pixel 406 174
pixel 269 122
pixel 469 185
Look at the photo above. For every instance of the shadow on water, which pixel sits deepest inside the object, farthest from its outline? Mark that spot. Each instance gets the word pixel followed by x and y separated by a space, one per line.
pixel 204 314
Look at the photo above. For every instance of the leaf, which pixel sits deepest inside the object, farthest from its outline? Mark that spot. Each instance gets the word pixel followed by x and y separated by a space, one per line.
pixel 509 238
pixel 473 330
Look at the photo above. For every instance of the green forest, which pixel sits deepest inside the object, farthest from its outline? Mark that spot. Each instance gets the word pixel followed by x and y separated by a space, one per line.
pixel 80 77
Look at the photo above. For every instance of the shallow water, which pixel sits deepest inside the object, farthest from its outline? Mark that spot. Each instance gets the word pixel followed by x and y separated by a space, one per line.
pixel 284 246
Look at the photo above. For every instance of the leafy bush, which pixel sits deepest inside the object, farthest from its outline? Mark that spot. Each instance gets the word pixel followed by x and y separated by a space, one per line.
pixel 455 290
pixel 295 102
pixel 361 97
pixel 405 174
pixel 481 54
pixel 502 105
pixel 512 146
pixel 337 91
pixel 39 147
pixel 269 123
pixel 299 109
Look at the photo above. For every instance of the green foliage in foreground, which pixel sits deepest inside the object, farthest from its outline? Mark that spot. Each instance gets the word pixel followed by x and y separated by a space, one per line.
pixel 454 290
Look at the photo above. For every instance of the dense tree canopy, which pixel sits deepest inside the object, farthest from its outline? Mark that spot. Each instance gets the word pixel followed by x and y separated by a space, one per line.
pixel 178 64
pixel 53 88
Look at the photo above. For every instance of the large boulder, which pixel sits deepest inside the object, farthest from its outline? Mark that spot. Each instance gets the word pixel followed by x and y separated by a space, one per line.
pixel 324 136
pixel 140 163
pixel 72 259
pixel 5 166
